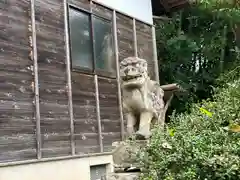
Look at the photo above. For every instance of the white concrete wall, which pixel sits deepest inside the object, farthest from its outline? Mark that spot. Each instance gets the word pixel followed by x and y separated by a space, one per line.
pixel 74 169
pixel 140 9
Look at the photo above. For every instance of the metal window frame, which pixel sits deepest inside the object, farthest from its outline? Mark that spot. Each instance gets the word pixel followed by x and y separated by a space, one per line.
pixel 155 57
pixel 85 12
pixel 93 70
pixel 97 71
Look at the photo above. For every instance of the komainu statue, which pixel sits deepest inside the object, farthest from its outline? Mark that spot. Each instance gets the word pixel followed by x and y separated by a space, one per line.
pixel 143 102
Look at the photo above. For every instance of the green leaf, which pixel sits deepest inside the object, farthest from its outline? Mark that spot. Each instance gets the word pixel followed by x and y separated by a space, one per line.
pixel 204 111
pixel 171 132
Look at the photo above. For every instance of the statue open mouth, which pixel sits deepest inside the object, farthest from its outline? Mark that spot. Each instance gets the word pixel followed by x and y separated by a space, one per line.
pixel 130 78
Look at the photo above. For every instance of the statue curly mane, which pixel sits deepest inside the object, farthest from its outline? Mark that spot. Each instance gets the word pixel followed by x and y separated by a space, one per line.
pixel 142 97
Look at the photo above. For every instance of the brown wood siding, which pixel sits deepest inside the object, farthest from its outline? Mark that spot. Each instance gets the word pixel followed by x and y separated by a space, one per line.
pixel 125 39
pixel 145 45
pixel 17 125
pixel 101 11
pixel 109 112
pixel 84 111
pixel 84 4
pixel 55 119
pixel 17 110
pixel 125 36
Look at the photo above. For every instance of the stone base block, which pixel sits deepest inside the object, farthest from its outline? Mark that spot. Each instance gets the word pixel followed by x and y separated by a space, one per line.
pixel 124 153
pixel 121 176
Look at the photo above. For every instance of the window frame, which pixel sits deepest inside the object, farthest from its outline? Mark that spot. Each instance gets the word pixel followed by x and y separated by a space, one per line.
pixel 93 70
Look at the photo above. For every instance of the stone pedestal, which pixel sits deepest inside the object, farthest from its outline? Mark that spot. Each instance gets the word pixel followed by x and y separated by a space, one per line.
pixel 125 153
pixel 121 176
pixel 125 167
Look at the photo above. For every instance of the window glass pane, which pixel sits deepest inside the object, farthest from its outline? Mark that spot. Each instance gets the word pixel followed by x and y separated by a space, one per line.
pixel 103 44
pixel 81 48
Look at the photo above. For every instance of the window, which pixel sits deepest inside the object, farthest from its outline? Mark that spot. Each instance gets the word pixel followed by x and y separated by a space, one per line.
pixel 103 44
pixel 91 42
pixel 81 48
pixel 97 172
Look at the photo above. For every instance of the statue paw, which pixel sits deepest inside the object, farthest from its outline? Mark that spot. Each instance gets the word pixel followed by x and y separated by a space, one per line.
pixel 143 135
pixel 130 131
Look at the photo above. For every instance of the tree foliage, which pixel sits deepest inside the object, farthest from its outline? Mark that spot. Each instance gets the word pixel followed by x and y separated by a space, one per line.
pixel 196 47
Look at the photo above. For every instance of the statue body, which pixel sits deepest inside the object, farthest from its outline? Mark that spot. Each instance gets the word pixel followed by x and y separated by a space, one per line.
pixel 142 97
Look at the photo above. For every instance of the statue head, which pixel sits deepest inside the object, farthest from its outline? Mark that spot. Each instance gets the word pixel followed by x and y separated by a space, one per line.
pixel 133 72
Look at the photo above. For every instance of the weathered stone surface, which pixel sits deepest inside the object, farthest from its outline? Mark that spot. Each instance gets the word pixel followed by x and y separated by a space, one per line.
pixel 124 153
pixel 121 176
pixel 143 102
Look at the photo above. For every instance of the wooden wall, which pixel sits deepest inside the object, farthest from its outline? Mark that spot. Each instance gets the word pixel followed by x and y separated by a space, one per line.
pixel 85 116
pixel 145 45
pixel 109 112
pixel 125 36
pixel 17 124
pixel 18 137
pixel 144 39
pixel 55 124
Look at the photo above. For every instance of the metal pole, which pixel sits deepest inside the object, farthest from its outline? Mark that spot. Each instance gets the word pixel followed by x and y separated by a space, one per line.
pixel 155 58
pixel 118 74
pixel 98 113
pixel 96 85
pixel 36 88
pixel 135 38
pixel 69 81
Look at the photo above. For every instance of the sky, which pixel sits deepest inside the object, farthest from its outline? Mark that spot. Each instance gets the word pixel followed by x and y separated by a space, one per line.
pixel 139 9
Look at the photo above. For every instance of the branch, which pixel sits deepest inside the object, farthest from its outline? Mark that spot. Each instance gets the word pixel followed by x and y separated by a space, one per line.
pixel 170 87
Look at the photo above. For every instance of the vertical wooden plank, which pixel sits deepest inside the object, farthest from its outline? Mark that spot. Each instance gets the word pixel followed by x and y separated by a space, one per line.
pixel 101 11
pixel 135 38
pixel 17 122
pixel 145 45
pixel 69 81
pixel 155 58
pixel 110 113
pixel 84 4
pixel 87 129
pixel 53 80
pixel 98 113
pixel 118 74
pixel 96 82
pixel 125 36
pixel 36 84
pixel 85 113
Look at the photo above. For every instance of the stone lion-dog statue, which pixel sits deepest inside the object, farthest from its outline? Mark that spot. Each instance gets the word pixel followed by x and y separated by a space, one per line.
pixel 142 98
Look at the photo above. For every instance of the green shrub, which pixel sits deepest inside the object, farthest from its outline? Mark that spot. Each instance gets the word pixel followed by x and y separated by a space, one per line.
pixel 203 145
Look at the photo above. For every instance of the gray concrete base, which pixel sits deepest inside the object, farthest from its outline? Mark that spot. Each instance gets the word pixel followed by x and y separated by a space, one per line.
pixel 72 169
